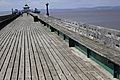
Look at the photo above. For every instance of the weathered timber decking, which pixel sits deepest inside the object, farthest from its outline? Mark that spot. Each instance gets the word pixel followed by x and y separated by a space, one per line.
pixel 109 53
pixel 30 52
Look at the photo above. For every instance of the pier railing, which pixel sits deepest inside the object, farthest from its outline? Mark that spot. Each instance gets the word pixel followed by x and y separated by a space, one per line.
pixel 107 37
pixel 4 20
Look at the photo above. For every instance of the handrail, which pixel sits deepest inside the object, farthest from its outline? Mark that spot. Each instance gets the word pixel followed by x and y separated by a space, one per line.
pixel 6 21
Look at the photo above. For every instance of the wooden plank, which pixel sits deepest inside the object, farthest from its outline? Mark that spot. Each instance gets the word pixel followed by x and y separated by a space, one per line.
pixel 79 70
pixel 33 67
pixel 37 54
pixel 21 63
pixel 66 72
pixel 8 58
pixel 27 61
pixel 48 60
pixel 3 48
pixel 15 74
pixel 4 54
pixel 12 61
pixel 3 39
pixel 73 73
pixel 57 53
pixel 43 60
pixel 77 64
pixel 6 33
pixel 56 65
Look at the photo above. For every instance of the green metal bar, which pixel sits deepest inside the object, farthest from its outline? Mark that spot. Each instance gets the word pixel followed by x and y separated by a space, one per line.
pixel 88 53
pixel 71 43
pixel 64 36
pixel 116 71
pixel 36 19
pixel 58 32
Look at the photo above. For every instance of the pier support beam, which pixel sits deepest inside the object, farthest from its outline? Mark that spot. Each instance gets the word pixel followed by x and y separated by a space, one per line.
pixel 44 23
pixel 58 33
pixel 88 53
pixel 52 29
pixel 48 25
pixel 64 36
pixel 71 43
pixel 116 71
pixel 41 21
pixel 36 19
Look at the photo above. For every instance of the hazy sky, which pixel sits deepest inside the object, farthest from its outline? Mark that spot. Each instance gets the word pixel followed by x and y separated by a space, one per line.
pixel 58 4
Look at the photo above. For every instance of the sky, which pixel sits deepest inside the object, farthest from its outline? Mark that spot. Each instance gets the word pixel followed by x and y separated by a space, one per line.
pixel 56 4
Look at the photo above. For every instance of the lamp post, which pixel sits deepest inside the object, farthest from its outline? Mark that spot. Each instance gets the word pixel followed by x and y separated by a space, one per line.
pixel 12 10
pixel 47 9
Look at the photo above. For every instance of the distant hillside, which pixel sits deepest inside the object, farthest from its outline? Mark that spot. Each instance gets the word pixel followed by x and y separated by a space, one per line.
pixel 100 7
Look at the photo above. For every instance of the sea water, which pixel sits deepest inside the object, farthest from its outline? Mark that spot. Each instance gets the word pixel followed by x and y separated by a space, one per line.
pixel 4 13
pixel 109 18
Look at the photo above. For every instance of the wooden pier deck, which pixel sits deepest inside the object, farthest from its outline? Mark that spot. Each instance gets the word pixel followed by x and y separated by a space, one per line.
pixel 28 51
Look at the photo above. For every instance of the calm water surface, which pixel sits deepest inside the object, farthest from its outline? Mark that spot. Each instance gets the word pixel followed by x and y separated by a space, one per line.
pixel 105 18
pixel 4 13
